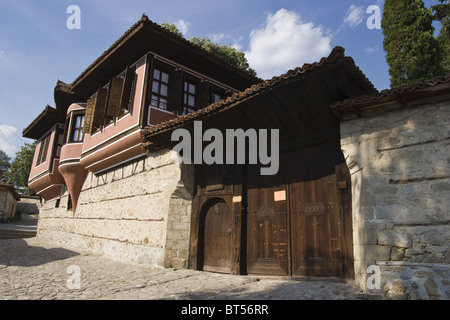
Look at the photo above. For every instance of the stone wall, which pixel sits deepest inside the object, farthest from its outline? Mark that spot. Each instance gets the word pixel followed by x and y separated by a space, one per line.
pixel 137 212
pixel 29 204
pixel 400 166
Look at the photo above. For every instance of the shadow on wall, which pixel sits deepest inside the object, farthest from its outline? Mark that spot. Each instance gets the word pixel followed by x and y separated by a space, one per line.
pixel 401 186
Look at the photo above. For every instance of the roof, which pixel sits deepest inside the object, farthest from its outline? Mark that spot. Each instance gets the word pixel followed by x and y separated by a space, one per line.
pixel 11 188
pixel 41 124
pixel 146 36
pixel 301 97
pixel 430 91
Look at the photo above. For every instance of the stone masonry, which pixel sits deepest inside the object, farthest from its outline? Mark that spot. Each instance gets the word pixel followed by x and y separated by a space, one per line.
pixel 137 212
pixel 400 167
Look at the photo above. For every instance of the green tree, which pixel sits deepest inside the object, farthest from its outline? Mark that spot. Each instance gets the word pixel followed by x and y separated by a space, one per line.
pixel 231 55
pixel 20 168
pixel 441 12
pixel 172 28
pixel 4 161
pixel 412 52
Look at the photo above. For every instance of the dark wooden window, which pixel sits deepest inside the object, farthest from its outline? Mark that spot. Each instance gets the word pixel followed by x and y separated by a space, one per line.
pixel 160 89
pixel 128 91
pixel 76 132
pixel 43 149
pixel 189 98
pixel 111 102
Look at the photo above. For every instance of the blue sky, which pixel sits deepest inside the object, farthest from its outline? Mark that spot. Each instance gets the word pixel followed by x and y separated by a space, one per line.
pixel 37 48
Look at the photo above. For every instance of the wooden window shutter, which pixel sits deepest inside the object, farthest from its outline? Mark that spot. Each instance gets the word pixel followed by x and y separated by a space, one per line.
pixel 127 88
pixel 176 91
pixel 44 153
pixel 88 117
pixel 100 106
pixel 204 94
pixel 115 92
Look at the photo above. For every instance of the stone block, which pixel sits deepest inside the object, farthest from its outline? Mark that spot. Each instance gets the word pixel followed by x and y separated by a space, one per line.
pixel 371 252
pixel 397 254
pixel 393 238
pixel 433 237
pixel 431 288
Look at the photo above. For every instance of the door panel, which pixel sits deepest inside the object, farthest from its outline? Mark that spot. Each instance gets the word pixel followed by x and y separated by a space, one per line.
pixel 314 208
pixel 267 229
pixel 217 238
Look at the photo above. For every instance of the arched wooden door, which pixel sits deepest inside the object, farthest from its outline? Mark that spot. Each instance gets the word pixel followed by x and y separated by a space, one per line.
pixel 216 228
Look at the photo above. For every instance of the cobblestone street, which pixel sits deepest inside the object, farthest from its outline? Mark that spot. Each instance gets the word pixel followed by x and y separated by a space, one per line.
pixel 35 268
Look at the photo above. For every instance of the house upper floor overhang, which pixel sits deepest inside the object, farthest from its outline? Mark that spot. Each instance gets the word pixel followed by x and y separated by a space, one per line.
pixel 148 37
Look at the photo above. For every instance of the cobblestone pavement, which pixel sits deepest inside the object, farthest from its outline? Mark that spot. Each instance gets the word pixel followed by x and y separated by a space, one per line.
pixel 36 268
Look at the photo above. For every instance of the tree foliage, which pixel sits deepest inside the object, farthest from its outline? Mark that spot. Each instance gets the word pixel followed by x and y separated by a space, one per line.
pixel 231 55
pixel 20 168
pixel 441 12
pixel 412 52
pixel 4 161
pixel 172 28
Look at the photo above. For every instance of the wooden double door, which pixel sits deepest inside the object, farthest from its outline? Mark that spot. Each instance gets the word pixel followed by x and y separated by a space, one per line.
pixel 299 221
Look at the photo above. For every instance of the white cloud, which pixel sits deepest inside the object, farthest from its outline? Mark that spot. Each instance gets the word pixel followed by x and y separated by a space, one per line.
pixel 2 53
pixel 354 16
pixel 286 42
pixel 371 49
pixel 216 37
pixel 183 26
pixel 225 39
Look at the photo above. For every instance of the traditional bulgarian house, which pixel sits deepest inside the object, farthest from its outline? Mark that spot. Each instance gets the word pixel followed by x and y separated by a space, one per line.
pixel 342 202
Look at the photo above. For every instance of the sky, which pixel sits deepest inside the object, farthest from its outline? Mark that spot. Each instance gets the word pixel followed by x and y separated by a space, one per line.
pixel 38 44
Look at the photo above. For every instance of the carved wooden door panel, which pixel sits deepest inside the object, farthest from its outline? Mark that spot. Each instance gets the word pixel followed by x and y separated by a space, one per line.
pixel 267 224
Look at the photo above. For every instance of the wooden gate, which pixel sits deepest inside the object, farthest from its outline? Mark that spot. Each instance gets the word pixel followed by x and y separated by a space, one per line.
pixel 217 230
pixel 298 221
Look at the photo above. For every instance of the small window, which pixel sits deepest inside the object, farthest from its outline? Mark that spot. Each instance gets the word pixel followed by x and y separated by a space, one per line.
pixel 160 89
pixel 189 102
pixel 43 149
pixel 217 97
pixel 76 132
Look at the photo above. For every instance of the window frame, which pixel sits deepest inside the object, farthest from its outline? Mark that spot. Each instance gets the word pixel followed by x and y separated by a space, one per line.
pixel 43 150
pixel 162 69
pixel 74 128
pixel 187 108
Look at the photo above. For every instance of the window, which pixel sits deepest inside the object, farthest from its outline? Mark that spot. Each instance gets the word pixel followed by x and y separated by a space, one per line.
pixel 188 98
pixel 43 149
pixel 216 97
pixel 160 89
pixel 76 132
